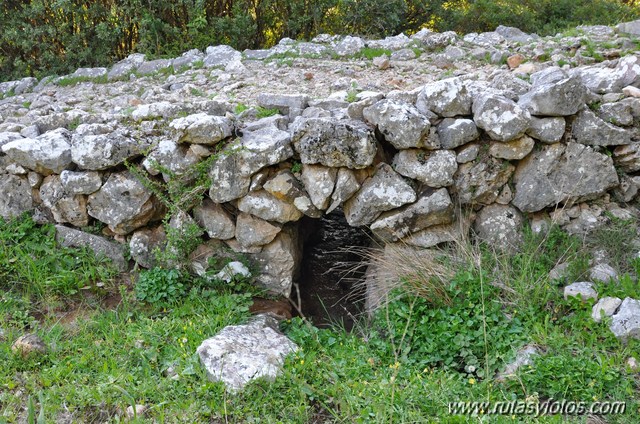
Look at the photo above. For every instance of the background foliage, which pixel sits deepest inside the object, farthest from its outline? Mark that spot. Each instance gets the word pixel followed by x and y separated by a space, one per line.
pixel 41 37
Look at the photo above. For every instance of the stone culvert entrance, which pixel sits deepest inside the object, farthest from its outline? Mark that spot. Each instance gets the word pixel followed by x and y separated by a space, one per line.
pixel 330 286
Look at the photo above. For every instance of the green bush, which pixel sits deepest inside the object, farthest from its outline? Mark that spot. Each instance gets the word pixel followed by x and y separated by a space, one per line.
pixel 472 335
pixel 159 285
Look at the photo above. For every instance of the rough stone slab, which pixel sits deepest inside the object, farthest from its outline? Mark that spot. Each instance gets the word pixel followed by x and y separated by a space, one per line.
pixel 627 157
pixel 547 130
pixel 355 110
pixel 278 262
pixel 456 132
pixel 144 243
pixel 626 323
pixel 47 154
pixel 347 143
pixel 349 46
pixel 484 39
pixel 434 168
pixel 384 191
pixel 481 181
pixel 603 272
pixel 602 79
pixel 153 66
pixel 515 34
pixel 231 271
pixel 239 354
pixel 201 128
pixel 588 129
pixel 123 203
pixel 401 124
pixel 606 307
pixel 6 137
pixel 432 208
pixel 268 207
pixel 68 237
pixel 99 152
pixel 435 40
pixel 512 150
pixel 583 290
pixel 126 66
pixel 220 56
pixel 65 207
pixel 548 75
pixel 16 196
pixel 500 117
pixel 630 28
pixel 285 186
pixel 346 186
pixel 60 120
pixel 619 113
pixel 319 181
pixel 500 226
pixel 156 110
pixel 559 173
pixel 558 98
pixel 252 231
pixel 396 42
pixel 231 172
pixel 187 60
pixel 217 222
pixel 447 98
pixel 90 72
pixel 80 182
pixel 288 104
pixel 432 236
pixel 468 153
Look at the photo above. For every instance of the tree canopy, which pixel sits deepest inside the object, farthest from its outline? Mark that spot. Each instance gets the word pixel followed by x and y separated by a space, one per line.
pixel 41 37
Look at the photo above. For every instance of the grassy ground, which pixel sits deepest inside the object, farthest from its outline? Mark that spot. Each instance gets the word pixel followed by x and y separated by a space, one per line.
pixel 108 350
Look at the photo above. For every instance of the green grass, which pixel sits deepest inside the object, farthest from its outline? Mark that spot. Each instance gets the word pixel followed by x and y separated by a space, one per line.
pixel 197 92
pixel 198 64
pixel 405 365
pixel 32 261
pixel 370 53
pixel 590 51
pixel 75 123
pixel 618 239
pixel 70 80
pixel 240 107
pixel 352 95
pixel 8 94
pixel 263 112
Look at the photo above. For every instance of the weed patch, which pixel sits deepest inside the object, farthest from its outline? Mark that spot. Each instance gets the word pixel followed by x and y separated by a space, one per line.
pixel 32 261
pixel 263 112
pixel 370 53
pixel 617 238
pixel 69 81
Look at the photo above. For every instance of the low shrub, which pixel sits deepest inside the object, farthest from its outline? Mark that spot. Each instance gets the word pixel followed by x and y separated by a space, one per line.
pixel 159 285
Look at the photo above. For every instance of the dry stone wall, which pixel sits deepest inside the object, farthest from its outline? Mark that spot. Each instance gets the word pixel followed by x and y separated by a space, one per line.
pixel 558 144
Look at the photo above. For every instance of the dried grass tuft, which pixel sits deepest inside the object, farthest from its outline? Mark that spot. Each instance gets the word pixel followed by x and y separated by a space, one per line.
pixel 426 273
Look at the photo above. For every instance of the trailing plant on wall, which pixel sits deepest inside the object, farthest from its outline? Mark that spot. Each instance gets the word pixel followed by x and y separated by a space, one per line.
pixel 179 193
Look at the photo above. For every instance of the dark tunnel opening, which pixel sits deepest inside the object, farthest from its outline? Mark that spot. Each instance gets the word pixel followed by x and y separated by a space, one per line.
pixel 331 287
